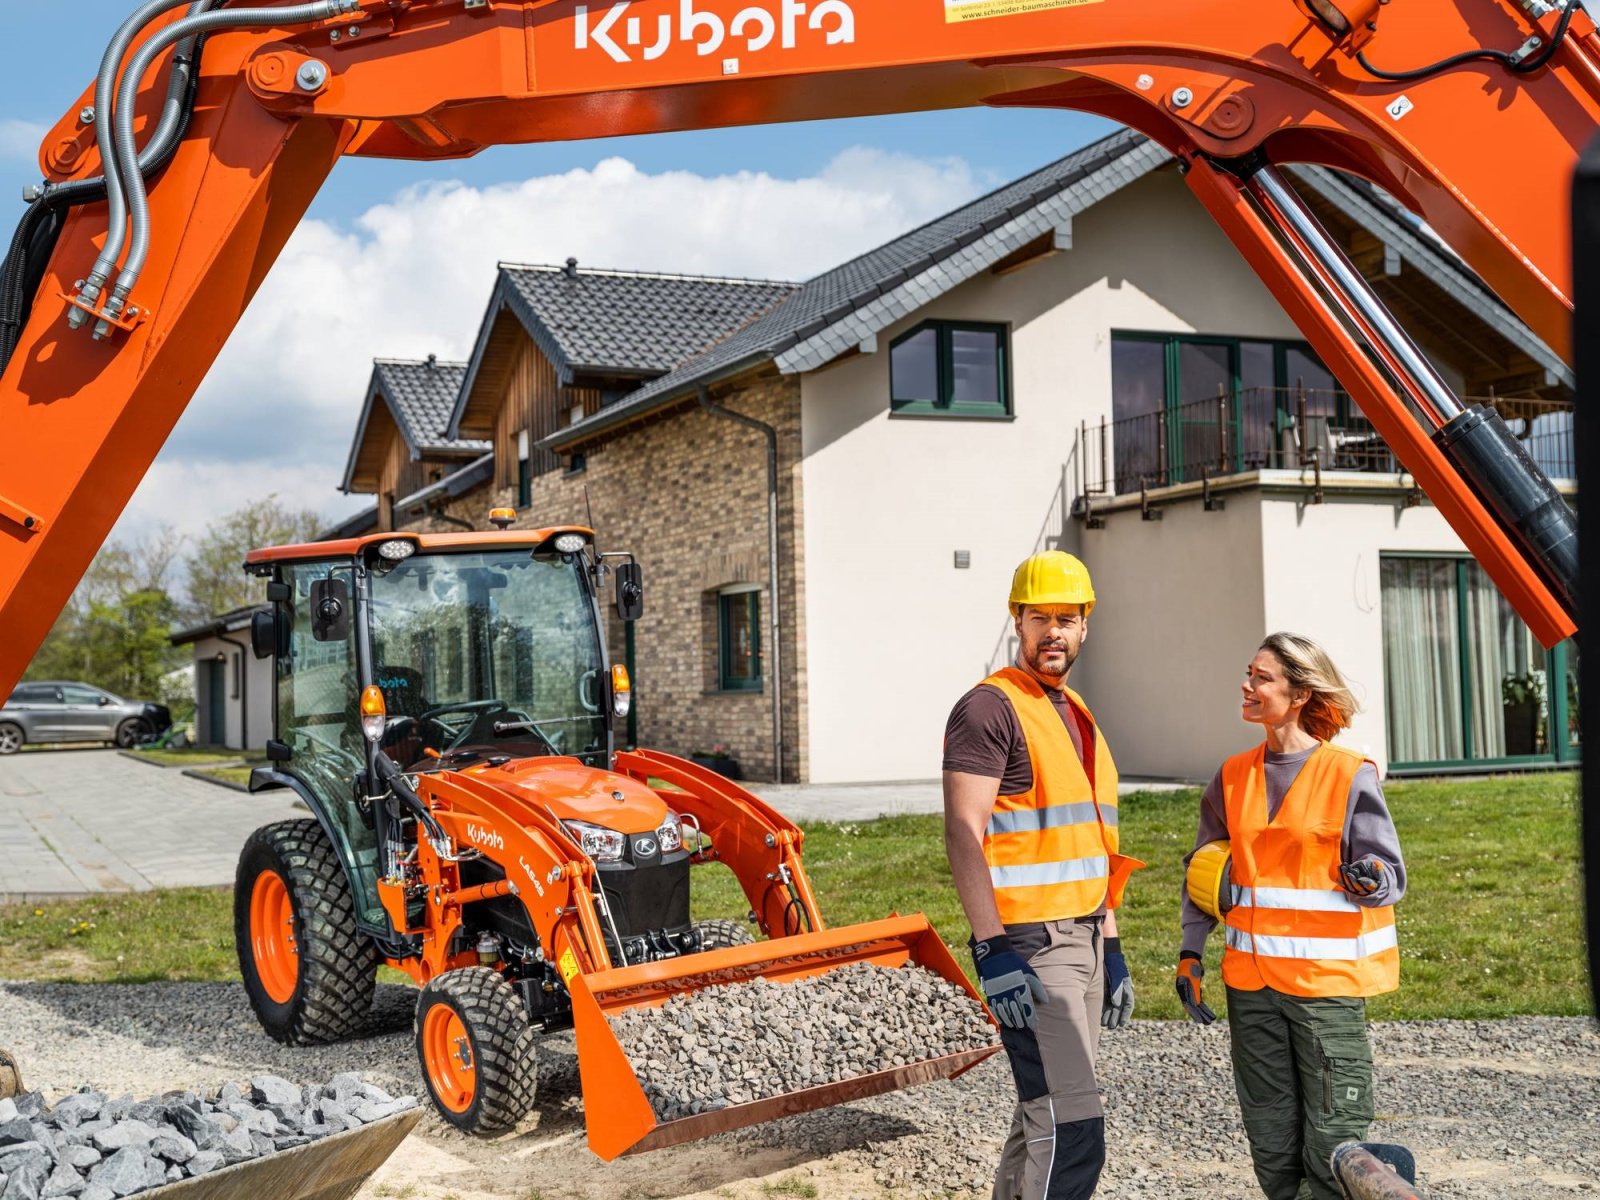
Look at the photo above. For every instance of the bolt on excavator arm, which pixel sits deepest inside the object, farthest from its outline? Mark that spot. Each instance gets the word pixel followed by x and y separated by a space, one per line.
pixel 1481 147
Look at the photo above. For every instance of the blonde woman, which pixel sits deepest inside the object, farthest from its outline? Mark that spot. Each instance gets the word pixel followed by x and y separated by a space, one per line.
pixel 1308 901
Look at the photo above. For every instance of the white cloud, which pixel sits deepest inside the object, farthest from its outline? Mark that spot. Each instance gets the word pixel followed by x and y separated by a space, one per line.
pixel 412 275
pixel 20 139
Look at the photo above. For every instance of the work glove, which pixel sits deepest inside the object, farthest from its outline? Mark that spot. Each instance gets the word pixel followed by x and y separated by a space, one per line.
pixel 1009 983
pixel 1117 1010
pixel 1190 973
pixel 1362 878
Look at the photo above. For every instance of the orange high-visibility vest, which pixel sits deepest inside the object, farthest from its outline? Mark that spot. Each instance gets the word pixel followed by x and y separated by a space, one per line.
pixel 1050 849
pixel 1292 928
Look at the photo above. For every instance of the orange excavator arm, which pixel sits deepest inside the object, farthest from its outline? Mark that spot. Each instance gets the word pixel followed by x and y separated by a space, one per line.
pixel 1471 112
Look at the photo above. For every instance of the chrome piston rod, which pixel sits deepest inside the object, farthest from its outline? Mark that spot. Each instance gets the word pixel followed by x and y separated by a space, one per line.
pixel 1476 441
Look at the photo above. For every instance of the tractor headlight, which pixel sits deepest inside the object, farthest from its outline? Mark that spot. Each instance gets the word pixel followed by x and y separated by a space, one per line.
pixel 670 835
pixel 598 842
pixel 570 543
pixel 397 549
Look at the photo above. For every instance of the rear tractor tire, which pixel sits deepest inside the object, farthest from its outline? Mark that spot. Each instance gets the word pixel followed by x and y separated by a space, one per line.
pixel 719 935
pixel 477 1051
pixel 11 737
pixel 309 972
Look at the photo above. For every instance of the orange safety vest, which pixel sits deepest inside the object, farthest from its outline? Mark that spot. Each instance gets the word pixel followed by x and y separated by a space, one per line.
pixel 1292 928
pixel 1052 850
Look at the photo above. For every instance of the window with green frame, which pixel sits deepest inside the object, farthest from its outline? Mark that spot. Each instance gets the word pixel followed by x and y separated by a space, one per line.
pixel 739 641
pixel 524 484
pixel 951 368
pixel 1465 681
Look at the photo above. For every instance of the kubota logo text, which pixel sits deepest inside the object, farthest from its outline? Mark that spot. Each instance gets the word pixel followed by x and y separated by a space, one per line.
pixel 755 27
pixel 485 837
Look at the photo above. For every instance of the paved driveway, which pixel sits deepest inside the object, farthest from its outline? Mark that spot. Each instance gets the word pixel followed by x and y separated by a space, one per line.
pixel 79 821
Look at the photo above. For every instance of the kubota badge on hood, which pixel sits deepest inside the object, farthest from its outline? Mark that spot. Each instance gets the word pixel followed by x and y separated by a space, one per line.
pixel 627 37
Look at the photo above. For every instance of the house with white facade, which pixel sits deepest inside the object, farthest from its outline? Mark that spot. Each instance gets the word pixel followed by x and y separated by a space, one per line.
pixel 1078 360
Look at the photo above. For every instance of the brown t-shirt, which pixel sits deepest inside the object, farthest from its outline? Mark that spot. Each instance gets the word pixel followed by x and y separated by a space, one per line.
pixel 984 737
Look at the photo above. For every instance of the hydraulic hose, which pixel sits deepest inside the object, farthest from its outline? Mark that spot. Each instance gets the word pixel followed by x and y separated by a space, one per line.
pixel 104 94
pixel 1513 62
pixel 126 154
pixel 34 240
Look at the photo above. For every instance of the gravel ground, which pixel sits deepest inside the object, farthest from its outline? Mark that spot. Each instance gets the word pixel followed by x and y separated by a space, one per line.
pixel 1505 1109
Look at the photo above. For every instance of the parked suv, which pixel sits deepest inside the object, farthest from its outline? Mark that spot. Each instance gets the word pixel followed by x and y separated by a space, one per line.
pixel 76 712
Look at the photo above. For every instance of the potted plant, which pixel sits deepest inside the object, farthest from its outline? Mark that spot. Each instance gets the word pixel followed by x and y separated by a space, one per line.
pixel 717 759
pixel 1521 697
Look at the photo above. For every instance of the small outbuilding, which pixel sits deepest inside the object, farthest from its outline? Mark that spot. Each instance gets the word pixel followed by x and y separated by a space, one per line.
pixel 232 687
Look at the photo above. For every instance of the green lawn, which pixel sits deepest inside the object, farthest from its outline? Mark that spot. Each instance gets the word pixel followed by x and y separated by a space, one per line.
pixel 1492 926
pixel 188 756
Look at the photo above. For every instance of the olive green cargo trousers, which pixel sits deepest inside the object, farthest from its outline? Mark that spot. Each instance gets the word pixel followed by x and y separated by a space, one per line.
pixel 1303 1070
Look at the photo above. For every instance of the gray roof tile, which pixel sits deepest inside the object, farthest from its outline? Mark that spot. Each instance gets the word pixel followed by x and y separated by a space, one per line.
pixel 830 297
pixel 623 322
pixel 422 394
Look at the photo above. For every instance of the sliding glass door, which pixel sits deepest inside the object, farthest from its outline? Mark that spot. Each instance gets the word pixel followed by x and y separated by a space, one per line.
pixel 1464 679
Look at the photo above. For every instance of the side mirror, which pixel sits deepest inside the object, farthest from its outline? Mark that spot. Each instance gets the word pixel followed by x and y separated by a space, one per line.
pixel 630 591
pixel 264 633
pixel 330 610
pixel 104 700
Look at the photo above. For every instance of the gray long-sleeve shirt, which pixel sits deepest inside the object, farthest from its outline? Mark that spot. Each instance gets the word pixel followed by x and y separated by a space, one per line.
pixel 1369 835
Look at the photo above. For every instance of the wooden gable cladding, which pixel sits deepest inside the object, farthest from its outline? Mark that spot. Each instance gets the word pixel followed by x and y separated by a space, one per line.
pixel 532 398
pixel 380 441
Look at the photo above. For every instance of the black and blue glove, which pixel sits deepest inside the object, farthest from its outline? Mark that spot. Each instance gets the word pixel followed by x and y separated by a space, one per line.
pixel 1009 983
pixel 1118 1008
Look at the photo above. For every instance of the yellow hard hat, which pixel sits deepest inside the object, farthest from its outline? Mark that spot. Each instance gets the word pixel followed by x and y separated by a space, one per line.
pixel 1208 875
pixel 1052 577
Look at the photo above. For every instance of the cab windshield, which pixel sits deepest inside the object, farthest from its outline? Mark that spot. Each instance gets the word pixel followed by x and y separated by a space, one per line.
pixel 488 653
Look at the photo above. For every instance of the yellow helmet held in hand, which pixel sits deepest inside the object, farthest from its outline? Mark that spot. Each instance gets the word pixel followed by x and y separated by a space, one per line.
pixel 1051 577
pixel 1207 878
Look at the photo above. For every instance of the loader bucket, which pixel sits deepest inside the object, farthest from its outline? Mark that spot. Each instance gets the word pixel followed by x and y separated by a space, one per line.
pixel 620 1118
pixel 330 1168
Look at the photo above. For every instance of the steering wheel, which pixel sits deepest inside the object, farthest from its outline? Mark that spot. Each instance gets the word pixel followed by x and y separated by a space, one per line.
pixel 453 736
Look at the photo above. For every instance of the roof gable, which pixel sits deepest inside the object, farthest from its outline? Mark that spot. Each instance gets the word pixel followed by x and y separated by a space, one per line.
pixel 418 397
pixel 608 324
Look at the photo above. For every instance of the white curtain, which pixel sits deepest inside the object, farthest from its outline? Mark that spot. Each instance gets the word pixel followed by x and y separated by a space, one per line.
pixel 1422 659
pixel 1501 648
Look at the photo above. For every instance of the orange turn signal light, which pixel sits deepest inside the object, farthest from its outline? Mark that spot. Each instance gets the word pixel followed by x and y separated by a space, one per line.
pixel 374 712
pixel 621 690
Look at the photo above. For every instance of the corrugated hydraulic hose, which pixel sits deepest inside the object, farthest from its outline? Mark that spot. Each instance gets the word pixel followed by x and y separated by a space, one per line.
pixel 104 95
pixel 125 152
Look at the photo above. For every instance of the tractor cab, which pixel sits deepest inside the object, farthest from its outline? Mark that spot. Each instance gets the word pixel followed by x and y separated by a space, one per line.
pixel 437 652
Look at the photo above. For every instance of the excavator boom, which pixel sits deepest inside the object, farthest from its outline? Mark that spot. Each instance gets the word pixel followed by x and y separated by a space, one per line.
pixel 1471 112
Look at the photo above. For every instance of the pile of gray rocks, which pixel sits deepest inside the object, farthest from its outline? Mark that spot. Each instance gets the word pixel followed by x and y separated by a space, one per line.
pixel 92 1147
pixel 740 1042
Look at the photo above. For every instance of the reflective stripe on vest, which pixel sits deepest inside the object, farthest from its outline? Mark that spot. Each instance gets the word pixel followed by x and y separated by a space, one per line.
pixel 1292 927
pixel 1049 848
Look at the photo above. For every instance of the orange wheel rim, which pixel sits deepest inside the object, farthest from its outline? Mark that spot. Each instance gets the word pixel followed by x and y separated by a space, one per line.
pixel 272 943
pixel 447 1055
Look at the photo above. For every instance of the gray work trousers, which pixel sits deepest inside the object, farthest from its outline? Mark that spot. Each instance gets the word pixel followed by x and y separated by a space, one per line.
pixel 1057 1142
pixel 1303 1070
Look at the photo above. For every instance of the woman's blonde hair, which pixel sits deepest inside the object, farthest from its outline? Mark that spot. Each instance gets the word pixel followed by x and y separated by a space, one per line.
pixel 1307 666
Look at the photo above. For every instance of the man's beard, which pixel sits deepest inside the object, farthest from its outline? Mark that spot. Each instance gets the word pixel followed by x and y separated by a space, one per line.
pixel 1039 665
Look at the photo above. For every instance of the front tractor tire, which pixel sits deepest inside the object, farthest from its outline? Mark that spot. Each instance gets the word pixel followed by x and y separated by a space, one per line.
pixel 719 935
pixel 477 1051
pixel 309 972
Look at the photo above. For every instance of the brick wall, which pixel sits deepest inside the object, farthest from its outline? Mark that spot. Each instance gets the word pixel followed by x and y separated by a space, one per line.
pixel 687 494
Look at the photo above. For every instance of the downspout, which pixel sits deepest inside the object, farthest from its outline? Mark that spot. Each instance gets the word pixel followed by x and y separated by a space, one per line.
pixel 244 690
pixel 775 638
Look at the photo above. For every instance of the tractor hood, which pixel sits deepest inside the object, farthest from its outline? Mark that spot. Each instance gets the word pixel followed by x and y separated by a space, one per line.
pixel 575 792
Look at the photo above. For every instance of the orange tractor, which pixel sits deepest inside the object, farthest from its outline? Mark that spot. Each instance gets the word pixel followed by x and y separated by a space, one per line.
pixel 446 710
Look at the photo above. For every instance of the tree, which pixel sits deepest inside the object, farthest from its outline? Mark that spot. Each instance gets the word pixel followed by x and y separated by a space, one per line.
pixel 214 572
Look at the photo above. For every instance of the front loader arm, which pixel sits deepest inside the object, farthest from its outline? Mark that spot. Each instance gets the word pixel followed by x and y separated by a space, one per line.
pixel 1483 152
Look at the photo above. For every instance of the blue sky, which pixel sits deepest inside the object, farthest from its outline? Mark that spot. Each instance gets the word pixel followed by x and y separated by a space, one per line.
pixel 419 242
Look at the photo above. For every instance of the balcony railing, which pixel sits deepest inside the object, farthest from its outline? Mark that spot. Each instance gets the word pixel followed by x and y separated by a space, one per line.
pixel 1281 429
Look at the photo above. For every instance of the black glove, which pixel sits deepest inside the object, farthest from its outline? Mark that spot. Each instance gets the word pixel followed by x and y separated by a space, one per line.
pixel 1009 982
pixel 1190 973
pixel 1117 1010
pixel 1362 878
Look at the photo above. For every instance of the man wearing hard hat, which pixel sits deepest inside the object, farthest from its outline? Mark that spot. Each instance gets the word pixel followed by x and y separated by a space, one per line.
pixel 1030 802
